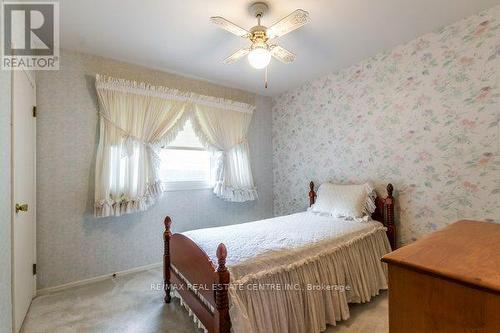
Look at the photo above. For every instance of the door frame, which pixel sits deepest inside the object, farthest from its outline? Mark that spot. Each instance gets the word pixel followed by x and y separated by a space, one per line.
pixel 32 81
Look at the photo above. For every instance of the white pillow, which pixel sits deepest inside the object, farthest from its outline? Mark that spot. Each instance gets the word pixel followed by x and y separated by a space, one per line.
pixel 345 200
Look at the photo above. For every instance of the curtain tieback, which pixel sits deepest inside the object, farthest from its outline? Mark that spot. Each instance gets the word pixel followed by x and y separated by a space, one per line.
pixel 125 133
pixel 130 138
pixel 222 159
pixel 242 141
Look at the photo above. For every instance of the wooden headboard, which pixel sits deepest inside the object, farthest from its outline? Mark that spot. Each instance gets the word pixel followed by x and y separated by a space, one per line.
pixel 384 211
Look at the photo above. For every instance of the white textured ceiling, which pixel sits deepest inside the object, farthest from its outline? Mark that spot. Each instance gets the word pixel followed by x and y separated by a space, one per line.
pixel 177 36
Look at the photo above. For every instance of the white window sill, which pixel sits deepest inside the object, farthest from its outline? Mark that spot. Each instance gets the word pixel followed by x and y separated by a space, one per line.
pixel 186 186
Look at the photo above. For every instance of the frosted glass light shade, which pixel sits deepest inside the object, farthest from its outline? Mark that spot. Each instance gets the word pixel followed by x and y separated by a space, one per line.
pixel 259 58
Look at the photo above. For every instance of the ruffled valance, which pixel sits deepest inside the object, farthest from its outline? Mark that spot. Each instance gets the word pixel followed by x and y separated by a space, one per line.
pixel 145 89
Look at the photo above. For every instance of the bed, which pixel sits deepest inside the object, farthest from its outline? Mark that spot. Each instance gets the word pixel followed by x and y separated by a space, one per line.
pixel 294 273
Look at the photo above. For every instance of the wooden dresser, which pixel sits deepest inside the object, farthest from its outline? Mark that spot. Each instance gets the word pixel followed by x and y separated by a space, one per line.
pixel 448 281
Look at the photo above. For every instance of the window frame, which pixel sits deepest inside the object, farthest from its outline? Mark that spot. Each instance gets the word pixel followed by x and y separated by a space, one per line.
pixel 187 185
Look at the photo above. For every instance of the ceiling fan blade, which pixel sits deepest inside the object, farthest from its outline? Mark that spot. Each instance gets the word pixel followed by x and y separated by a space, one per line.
pixel 293 21
pixel 229 26
pixel 236 56
pixel 282 54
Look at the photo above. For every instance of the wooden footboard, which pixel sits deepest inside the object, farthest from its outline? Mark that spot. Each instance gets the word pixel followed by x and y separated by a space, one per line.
pixel 206 293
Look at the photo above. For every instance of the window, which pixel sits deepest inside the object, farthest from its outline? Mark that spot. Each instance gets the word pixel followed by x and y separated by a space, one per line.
pixel 186 164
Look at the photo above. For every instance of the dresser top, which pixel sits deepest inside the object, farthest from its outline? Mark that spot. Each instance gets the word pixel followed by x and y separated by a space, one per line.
pixel 466 251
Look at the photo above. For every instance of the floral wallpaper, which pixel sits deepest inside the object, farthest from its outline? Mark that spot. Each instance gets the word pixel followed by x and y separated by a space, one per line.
pixel 423 116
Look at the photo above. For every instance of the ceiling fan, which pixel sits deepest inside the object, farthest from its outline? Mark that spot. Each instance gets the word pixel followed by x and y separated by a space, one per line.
pixel 262 38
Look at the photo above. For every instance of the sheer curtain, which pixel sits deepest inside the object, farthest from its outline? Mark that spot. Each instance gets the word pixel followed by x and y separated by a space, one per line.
pixel 226 131
pixel 137 119
pixel 127 164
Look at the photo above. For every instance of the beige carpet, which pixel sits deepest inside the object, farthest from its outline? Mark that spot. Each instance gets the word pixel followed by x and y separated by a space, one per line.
pixel 134 303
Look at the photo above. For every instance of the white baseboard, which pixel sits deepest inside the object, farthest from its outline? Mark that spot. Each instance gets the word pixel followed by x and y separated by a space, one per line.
pixel 70 285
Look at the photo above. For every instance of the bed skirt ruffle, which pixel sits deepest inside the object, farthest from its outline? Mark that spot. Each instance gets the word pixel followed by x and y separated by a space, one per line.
pixel 309 296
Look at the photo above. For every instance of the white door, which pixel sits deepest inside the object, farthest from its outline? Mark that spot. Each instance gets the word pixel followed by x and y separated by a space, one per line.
pixel 23 194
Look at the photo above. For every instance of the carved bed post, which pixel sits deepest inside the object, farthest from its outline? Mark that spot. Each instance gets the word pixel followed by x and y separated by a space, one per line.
pixel 166 259
pixel 389 216
pixel 222 320
pixel 312 194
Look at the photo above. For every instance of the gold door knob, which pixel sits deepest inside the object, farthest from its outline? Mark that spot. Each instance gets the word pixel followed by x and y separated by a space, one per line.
pixel 21 208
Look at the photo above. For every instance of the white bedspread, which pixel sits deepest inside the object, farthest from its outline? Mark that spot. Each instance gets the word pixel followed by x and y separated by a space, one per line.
pixel 303 249
pixel 267 246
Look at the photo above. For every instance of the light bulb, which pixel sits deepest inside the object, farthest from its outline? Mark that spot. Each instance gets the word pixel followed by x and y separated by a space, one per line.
pixel 259 57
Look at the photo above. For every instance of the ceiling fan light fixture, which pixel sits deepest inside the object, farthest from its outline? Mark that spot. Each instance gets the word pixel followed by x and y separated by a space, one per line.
pixel 263 41
pixel 259 57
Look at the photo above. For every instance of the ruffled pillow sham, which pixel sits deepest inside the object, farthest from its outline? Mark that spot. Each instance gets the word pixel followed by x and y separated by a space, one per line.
pixel 352 201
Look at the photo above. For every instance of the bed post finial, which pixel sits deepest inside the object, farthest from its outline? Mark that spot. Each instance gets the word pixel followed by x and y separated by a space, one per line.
pixel 389 216
pixel 167 222
pixel 312 194
pixel 222 321
pixel 166 259
pixel 221 256
pixel 390 188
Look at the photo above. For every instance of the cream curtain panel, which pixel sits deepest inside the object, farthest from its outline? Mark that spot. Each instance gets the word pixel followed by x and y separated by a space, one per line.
pixel 137 119
pixel 227 133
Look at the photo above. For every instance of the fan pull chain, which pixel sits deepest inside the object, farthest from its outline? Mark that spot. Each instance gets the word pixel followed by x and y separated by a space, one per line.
pixel 265 78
